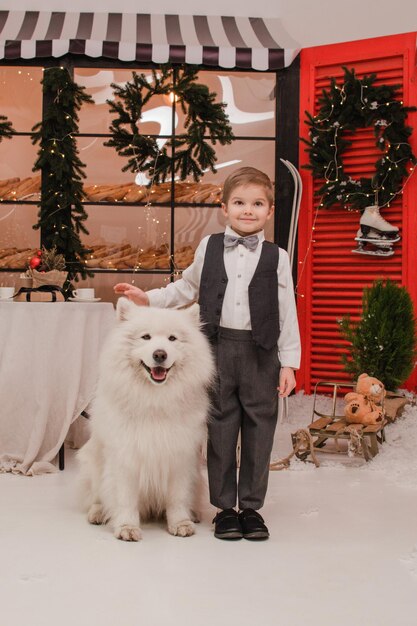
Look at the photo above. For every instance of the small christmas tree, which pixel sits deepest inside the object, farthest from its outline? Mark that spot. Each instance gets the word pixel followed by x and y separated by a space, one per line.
pixel 383 342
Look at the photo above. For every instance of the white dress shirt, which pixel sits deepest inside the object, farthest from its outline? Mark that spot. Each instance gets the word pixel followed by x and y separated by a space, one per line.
pixel 240 264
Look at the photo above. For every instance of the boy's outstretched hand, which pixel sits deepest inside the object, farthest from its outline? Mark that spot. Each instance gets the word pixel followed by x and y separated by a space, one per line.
pixel 136 295
pixel 286 381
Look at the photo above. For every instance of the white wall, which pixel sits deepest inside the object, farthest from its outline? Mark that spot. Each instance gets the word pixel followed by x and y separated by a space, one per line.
pixel 316 22
pixel 309 22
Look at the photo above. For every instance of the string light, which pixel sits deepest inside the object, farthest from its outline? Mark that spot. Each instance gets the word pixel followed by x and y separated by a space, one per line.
pixel 311 241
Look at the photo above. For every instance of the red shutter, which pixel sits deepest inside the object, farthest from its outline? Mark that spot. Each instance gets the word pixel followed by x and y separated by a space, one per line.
pixel 331 278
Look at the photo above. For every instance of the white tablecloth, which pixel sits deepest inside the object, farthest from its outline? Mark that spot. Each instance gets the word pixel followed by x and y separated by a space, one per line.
pixel 48 371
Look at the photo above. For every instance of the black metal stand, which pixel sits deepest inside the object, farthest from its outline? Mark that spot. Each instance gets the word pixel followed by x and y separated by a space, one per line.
pixel 61 457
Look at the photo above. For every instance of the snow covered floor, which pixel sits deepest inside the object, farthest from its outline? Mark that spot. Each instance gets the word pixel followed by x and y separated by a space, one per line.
pixel 342 552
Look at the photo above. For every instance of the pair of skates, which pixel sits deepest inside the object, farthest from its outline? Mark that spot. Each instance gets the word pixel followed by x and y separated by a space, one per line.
pixel 375 236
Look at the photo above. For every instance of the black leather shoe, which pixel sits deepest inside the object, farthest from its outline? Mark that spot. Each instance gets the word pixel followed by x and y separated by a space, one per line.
pixel 253 526
pixel 227 525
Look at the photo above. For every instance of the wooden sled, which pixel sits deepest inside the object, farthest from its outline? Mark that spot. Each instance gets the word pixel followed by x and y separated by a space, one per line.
pixel 332 427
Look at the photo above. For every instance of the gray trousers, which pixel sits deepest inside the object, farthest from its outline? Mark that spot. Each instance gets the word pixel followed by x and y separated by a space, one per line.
pixel 244 399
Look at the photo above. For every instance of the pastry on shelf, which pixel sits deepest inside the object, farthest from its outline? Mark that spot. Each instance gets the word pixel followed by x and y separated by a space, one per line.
pixel 129 261
pixel 7 185
pixel 136 193
pixel 183 257
pixel 110 260
pixel 7 252
pixel 99 253
pixel 17 189
pixel 154 258
pixel 16 258
pixel 107 193
pixel 126 256
pixel 187 192
pixel 184 192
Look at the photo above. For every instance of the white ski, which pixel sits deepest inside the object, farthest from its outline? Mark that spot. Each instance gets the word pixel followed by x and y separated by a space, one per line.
pixel 292 235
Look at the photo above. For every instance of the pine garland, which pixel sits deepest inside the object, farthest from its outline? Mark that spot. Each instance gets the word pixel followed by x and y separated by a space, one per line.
pixel 383 342
pixel 344 109
pixel 6 128
pixel 206 123
pixel 62 214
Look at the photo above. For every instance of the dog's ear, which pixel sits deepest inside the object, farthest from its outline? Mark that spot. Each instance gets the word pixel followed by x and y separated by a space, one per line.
pixel 123 308
pixel 194 312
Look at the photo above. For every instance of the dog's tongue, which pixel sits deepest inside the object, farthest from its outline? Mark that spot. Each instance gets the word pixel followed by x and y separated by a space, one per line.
pixel 158 373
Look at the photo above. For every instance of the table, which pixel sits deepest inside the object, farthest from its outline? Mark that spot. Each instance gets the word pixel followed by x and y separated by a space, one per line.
pixel 48 371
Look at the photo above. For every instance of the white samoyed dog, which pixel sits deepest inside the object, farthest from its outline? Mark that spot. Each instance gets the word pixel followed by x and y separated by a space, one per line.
pixel 148 421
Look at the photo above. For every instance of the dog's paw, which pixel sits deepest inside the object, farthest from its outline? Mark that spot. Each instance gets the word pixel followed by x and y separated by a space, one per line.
pixel 96 514
pixel 185 528
pixel 128 533
pixel 195 516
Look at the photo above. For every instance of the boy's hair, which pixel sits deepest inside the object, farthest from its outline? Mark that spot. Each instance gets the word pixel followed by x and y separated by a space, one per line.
pixel 248 176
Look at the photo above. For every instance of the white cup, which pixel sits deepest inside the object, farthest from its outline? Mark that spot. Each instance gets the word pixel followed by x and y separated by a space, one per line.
pixel 84 293
pixel 6 293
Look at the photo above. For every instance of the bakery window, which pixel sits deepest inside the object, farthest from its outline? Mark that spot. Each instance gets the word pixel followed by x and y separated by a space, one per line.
pixel 21 103
pixel 138 232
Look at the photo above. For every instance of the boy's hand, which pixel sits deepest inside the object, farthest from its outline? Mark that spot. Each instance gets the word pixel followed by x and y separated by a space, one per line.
pixel 286 381
pixel 133 293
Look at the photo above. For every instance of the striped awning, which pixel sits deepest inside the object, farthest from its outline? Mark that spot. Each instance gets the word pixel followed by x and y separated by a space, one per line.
pixel 229 42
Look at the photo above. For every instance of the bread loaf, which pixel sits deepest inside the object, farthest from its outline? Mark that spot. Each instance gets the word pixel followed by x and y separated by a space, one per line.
pixel 136 194
pixel 8 182
pixel 18 259
pixel 187 192
pixel 7 252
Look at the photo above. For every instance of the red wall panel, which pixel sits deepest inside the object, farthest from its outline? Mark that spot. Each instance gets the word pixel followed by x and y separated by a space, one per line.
pixel 331 277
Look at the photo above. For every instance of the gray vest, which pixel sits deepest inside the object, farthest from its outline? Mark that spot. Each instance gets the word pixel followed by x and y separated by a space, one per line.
pixel 263 292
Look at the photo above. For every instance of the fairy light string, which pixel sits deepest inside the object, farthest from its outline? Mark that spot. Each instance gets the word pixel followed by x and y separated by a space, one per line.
pixel 303 263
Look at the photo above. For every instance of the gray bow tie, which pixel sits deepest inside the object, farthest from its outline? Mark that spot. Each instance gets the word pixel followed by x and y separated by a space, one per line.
pixel 230 241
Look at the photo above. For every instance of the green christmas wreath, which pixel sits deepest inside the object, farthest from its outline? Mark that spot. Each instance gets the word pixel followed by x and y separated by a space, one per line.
pixel 359 103
pixel 189 153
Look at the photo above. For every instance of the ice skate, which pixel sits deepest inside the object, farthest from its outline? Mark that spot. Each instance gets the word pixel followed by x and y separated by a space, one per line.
pixel 376 238
pixel 372 248
pixel 375 229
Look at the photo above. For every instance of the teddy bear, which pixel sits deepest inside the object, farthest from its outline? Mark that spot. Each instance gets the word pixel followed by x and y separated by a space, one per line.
pixel 371 388
pixel 360 410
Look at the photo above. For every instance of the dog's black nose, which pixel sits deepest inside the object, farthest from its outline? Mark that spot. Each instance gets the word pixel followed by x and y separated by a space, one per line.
pixel 159 356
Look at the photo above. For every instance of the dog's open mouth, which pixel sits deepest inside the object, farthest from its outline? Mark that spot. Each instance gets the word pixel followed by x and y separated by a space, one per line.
pixel 158 374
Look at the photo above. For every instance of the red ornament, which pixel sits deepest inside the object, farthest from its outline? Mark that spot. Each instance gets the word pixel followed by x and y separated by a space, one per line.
pixel 34 262
pixel 39 253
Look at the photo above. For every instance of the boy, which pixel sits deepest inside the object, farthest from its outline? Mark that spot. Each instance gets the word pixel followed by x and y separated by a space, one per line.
pixel 244 287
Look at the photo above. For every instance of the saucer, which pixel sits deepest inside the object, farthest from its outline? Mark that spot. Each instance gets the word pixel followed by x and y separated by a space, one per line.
pixel 84 299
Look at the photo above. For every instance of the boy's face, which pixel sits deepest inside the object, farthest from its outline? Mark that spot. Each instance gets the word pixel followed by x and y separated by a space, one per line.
pixel 248 209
